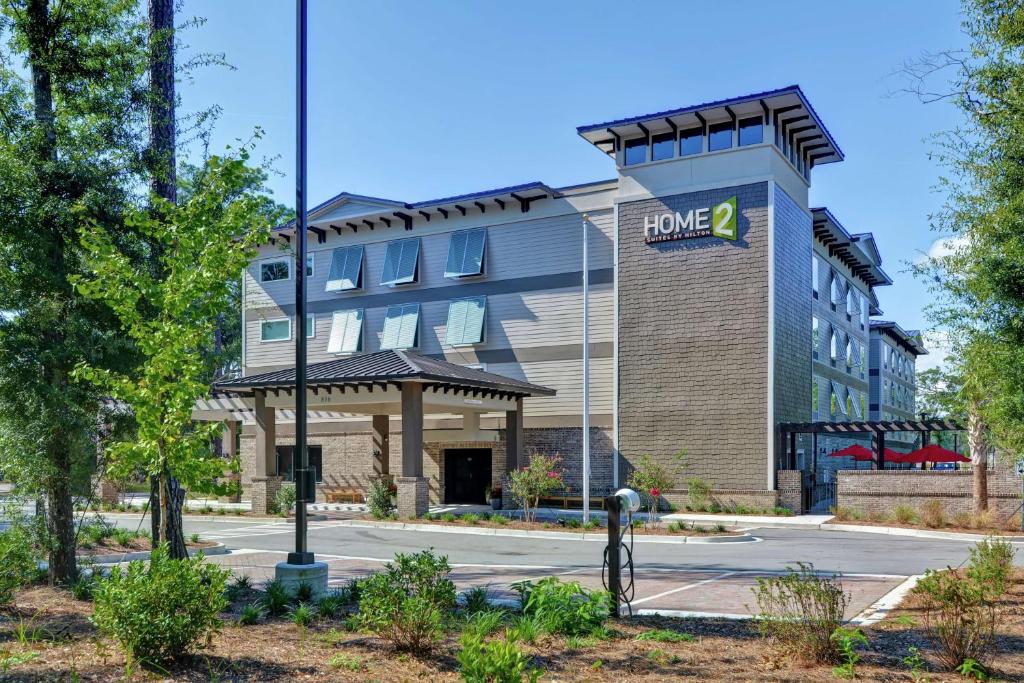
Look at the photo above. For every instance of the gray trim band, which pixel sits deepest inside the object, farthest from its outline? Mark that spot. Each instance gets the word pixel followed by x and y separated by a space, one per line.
pixel 536 283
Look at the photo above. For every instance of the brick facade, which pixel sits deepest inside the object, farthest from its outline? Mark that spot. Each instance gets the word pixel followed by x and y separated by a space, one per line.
pixel 693 341
pixel 879 491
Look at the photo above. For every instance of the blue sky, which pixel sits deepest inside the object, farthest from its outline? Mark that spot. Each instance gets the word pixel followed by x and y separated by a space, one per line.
pixel 418 100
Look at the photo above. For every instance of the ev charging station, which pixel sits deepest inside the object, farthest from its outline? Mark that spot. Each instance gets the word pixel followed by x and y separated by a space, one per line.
pixel 618 555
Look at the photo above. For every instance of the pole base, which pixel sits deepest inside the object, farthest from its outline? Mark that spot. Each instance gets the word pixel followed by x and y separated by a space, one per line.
pixel 300 558
pixel 312 574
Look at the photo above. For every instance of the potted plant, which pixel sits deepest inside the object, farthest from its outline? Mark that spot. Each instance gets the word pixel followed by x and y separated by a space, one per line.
pixel 494 496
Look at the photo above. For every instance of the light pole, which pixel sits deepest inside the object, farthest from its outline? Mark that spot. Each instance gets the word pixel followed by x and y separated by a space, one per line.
pixel 586 373
pixel 300 567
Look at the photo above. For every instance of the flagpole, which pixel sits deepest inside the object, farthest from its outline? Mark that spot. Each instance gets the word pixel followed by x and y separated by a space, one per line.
pixel 586 373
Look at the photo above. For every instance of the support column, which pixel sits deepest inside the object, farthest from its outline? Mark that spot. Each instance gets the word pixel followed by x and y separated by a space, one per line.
pixel 878 443
pixel 412 485
pixel 381 446
pixel 514 437
pixel 265 483
pixel 230 442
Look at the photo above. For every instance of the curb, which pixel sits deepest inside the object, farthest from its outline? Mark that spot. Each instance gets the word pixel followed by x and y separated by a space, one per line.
pixel 528 533
pixel 880 609
pixel 226 518
pixel 917 533
pixel 219 549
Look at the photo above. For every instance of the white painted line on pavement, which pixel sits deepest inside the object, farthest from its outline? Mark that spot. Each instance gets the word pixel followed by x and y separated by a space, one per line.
pixel 684 614
pixel 682 588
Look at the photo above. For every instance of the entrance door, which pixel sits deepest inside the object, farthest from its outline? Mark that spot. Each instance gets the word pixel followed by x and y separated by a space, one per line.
pixel 467 475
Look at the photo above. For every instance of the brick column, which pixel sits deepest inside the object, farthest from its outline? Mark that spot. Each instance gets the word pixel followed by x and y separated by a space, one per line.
pixel 230 439
pixel 412 485
pixel 791 490
pixel 262 493
pixel 514 437
pixel 266 441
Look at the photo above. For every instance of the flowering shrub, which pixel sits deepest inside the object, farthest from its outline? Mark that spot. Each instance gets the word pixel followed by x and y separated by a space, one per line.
pixel 650 478
pixel 541 477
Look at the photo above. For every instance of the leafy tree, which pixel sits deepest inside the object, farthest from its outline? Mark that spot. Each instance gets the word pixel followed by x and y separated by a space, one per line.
pixel 170 313
pixel 71 122
pixel 979 298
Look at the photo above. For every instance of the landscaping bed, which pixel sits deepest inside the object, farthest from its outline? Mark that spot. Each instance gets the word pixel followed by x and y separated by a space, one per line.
pixel 594 525
pixel 932 518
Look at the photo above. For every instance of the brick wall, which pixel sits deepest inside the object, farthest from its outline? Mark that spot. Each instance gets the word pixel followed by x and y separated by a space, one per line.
pixel 693 326
pixel 879 491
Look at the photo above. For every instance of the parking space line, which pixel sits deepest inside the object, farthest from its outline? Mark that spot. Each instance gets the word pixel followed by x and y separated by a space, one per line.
pixel 682 588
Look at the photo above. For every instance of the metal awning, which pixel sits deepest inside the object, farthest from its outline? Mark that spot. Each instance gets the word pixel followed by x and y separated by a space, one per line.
pixel 871 426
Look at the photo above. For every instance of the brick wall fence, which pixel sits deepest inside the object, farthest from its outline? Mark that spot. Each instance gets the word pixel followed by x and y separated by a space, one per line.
pixel 879 491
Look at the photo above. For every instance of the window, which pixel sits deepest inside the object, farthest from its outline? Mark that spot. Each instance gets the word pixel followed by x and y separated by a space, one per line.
pixel 279 329
pixel 310 326
pixel 814 397
pixel 815 274
pixel 852 357
pixel 864 405
pixel 720 136
pixel 852 406
pixel 271 271
pixel 815 336
pixel 838 405
pixel 834 345
pixel 401 327
pixel 466 253
pixel 465 321
pixel 346 269
pixel 286 462
pixel 691 141
pixel 663 146
pixel 864 312
pixel 636 151
pixel 852 304
pixel 838 289
pixel 346 332
pixel 751 131
pixel 310 261
pixel 400 262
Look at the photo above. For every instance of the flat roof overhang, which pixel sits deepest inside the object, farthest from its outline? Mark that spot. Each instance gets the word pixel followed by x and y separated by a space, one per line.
pixel 783 108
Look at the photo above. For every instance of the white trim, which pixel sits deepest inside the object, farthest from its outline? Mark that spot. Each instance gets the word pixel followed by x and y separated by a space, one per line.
pixel 244 309
pixel 771 336
pixel 261 262
pixel 264 321
pixel 312 316
pixel 311 257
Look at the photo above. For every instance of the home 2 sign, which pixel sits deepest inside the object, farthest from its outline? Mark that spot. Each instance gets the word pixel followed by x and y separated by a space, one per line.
pixel 715 221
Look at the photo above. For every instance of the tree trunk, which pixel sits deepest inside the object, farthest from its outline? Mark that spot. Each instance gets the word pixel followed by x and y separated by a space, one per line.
pixel 162 130
pixel 979 456
pixel 172 498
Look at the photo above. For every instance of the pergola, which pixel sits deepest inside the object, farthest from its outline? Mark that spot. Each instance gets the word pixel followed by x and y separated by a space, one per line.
pixel 788 431
pixel 379 385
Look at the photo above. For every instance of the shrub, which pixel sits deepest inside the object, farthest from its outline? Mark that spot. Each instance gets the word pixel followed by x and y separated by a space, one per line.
pixel 476 599
pixel 470 518
pixel 304 592
pixel 448 517
pixel 960 611
pixel 963 520
pixel 284 499
pixel 276 598
pixel 406 603
pixel 541 477
pixel 302 615
pixel 500 520
pixel 933 514
pixel 847 640
pixel 329 605
pixel 378 499
pixel 84 588
pixel 163 611
pixel 484 622
pixel 564 608
pixel 651 479
pixel 494 661
pixel 799 611
pixel 18 560
pixel 526 629
pixel 251 614
pixel 986 519
pixel 904 514
pixel 697 492
pixel 347 662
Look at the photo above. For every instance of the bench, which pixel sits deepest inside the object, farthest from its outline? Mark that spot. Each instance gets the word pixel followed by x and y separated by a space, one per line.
pixel 565 500
pixel 344 495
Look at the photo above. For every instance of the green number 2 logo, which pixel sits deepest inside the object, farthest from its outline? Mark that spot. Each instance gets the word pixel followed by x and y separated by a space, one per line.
pixel 724 219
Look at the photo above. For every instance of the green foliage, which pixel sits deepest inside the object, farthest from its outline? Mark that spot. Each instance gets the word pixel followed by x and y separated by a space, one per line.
pixel 84 588
pixel 494 661
pixel 476 599
pixel 697 492
pixel 448 517
pixel 302 615
pixel 304 592
pixel 250 615
pixel 276 598
pixel 408 602
pixel 565 608
pixel 484 622
pixel 961 611
pixel 330 605
pixel 526 628
pixel 848 640
pixel 541 477
pixel 378 499
pixel 972 669
pixel 284 499
pixel 170 312
pixel 915 662
pixel 346 662
pixel 18 557
pixel 166 610
pixel 651 479
pixel 799 611
pixel 664 635
pixel 904 514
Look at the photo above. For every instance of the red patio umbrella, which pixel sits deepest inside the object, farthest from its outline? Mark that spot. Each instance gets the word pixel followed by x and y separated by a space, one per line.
pixel 933 452
pixel 856 451
pixel 894 456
